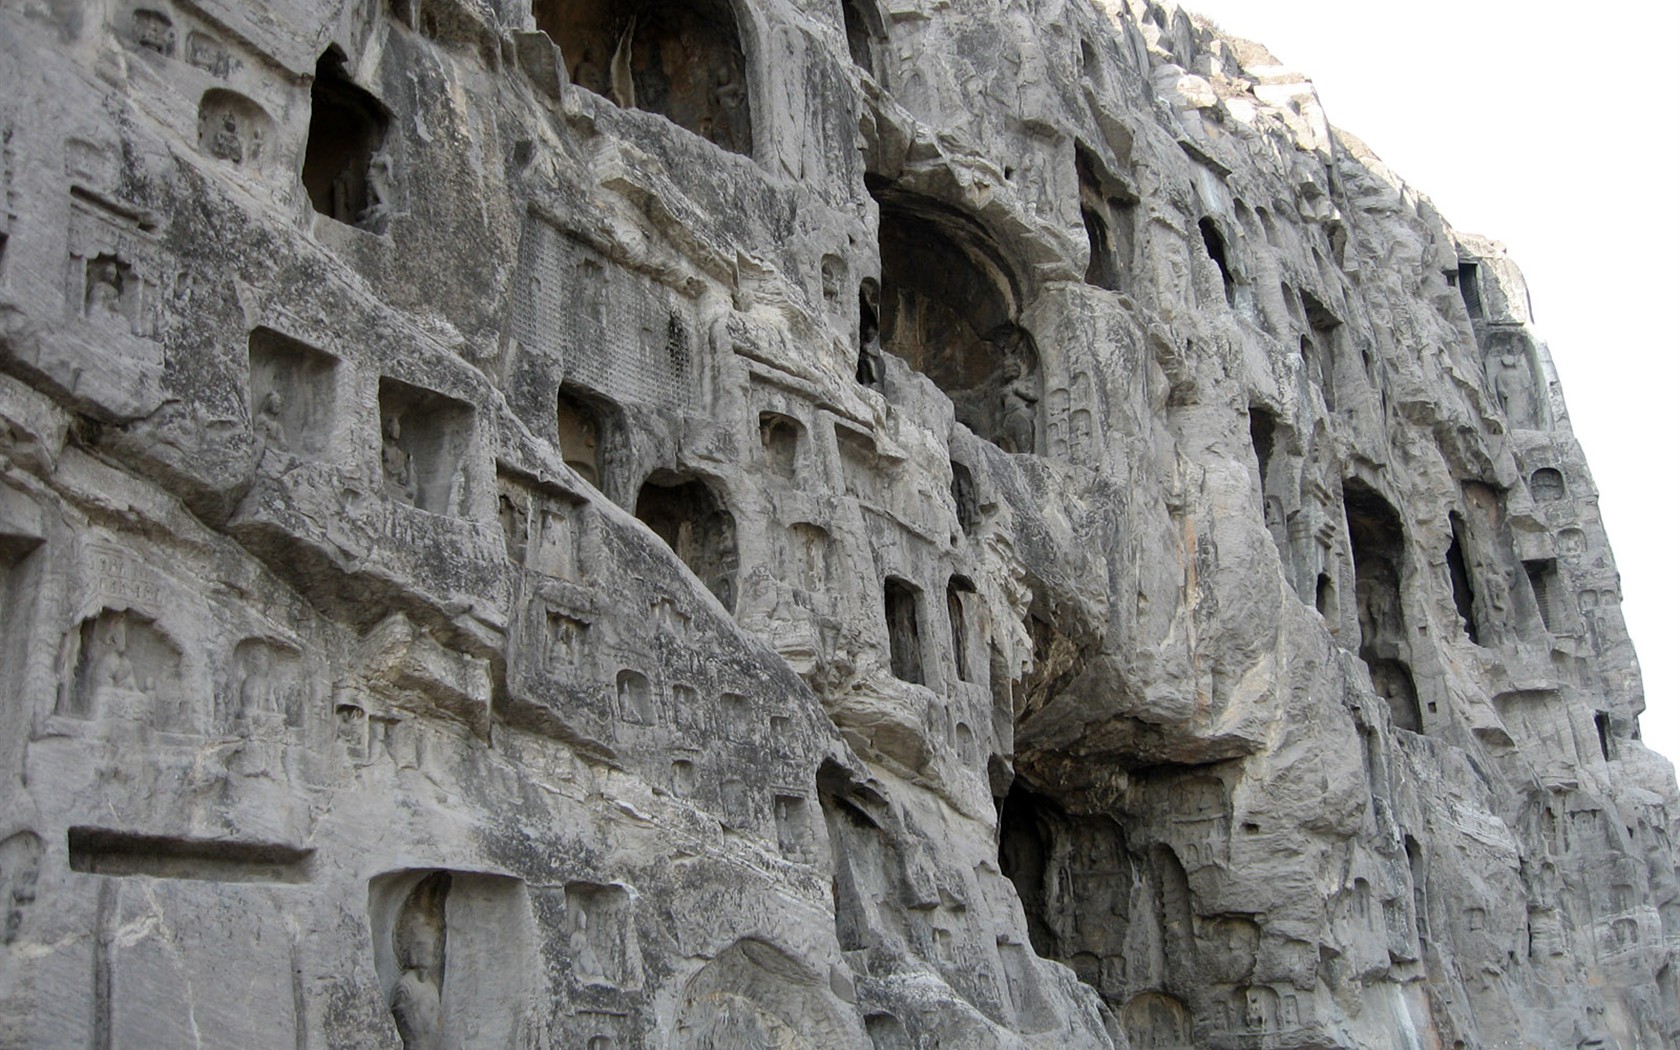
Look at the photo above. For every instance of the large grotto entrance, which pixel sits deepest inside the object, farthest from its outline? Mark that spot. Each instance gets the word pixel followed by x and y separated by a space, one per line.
pixel 950 309
pixel 1075 880
pixel 682 59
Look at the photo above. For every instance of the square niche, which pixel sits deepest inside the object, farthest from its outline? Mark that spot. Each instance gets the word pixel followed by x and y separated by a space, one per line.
pixel 293 395
pixel 425 438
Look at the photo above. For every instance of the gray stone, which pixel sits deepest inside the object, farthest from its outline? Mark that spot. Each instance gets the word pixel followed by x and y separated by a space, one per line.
pixel 713 524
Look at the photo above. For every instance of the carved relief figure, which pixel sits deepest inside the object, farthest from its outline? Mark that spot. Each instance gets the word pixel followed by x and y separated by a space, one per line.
pixel 596 921
pixel 728 103
pixel 154 31
pixel 225 143
pixel 377 214
pixel 871 369
pixel 256 691
pixel 399 470
pixel 20 867
pixel 112 669
pixel 1511 388
pixel 418 941
pixel 271 430
pixel 584 958
pixel 106 278
pixel 1020 412
pixel 127 669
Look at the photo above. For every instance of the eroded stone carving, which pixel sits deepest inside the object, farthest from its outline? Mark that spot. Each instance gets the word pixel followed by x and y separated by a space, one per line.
pixel 418 941
pixel 20 870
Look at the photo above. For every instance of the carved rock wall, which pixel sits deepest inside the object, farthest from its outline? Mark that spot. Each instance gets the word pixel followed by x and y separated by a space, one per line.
pixel 766 523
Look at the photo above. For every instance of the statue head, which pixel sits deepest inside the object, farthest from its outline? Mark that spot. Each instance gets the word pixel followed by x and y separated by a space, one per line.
pixel 418 937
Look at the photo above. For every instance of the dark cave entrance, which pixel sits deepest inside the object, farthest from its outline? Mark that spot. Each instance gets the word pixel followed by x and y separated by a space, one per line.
pixel 347 128
pixel 1378 539
pixel 682 60
pixel 694 523
pixel 1024 851
pixel 949 305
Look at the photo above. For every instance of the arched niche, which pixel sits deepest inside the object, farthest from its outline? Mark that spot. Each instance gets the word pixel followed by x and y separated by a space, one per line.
pixel 1546 485
pixel 346 169
pixel 682 59
pixel 1157 1022
pixel 950 309
pixel 694 522
pixel 588 426
pixel 1378 540
pixel 866 36
pixel 233 128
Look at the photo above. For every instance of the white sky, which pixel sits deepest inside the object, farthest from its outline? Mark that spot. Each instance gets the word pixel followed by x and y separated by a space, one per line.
pixel 1556 131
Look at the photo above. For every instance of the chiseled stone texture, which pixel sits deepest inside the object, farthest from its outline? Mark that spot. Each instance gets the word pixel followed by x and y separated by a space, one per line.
pixel 778 523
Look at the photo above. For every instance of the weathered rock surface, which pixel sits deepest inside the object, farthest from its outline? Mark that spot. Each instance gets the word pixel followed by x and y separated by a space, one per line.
pixel 766 523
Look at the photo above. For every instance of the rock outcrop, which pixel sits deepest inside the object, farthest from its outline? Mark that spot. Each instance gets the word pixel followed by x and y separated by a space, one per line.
pixel 767 523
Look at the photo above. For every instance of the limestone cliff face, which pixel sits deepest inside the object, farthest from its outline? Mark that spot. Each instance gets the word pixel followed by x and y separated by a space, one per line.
pixel 779 523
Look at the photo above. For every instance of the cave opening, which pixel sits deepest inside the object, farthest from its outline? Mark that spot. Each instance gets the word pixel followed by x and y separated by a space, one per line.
pixel 1214 242
pixel 1378 540
pixel 958 593
pixel 1262 431
pixel 904 633
pixel 949 306
pixel 1024 856
pixel 681 59
pixel 695 524
pixel 1464 595
pixel 1108 213
pixel 1548 595
pixel 865 37
pixel 1077 884
pixel 1469 286
pixel 345 169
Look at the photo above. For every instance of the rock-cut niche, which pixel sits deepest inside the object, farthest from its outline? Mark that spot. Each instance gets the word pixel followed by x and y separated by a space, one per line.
pixel 293 395
pixel 346 169
pixel 1109 214
pixel 681 59
pixel 866 38
pixel 950 308
pixel 1378 539
pixel 694 523
pixel 126 669
pixel 425 443
pixel 455 953
pixel 587 425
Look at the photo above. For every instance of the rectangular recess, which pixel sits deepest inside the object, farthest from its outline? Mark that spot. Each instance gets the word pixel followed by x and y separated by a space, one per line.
pixel 100 851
